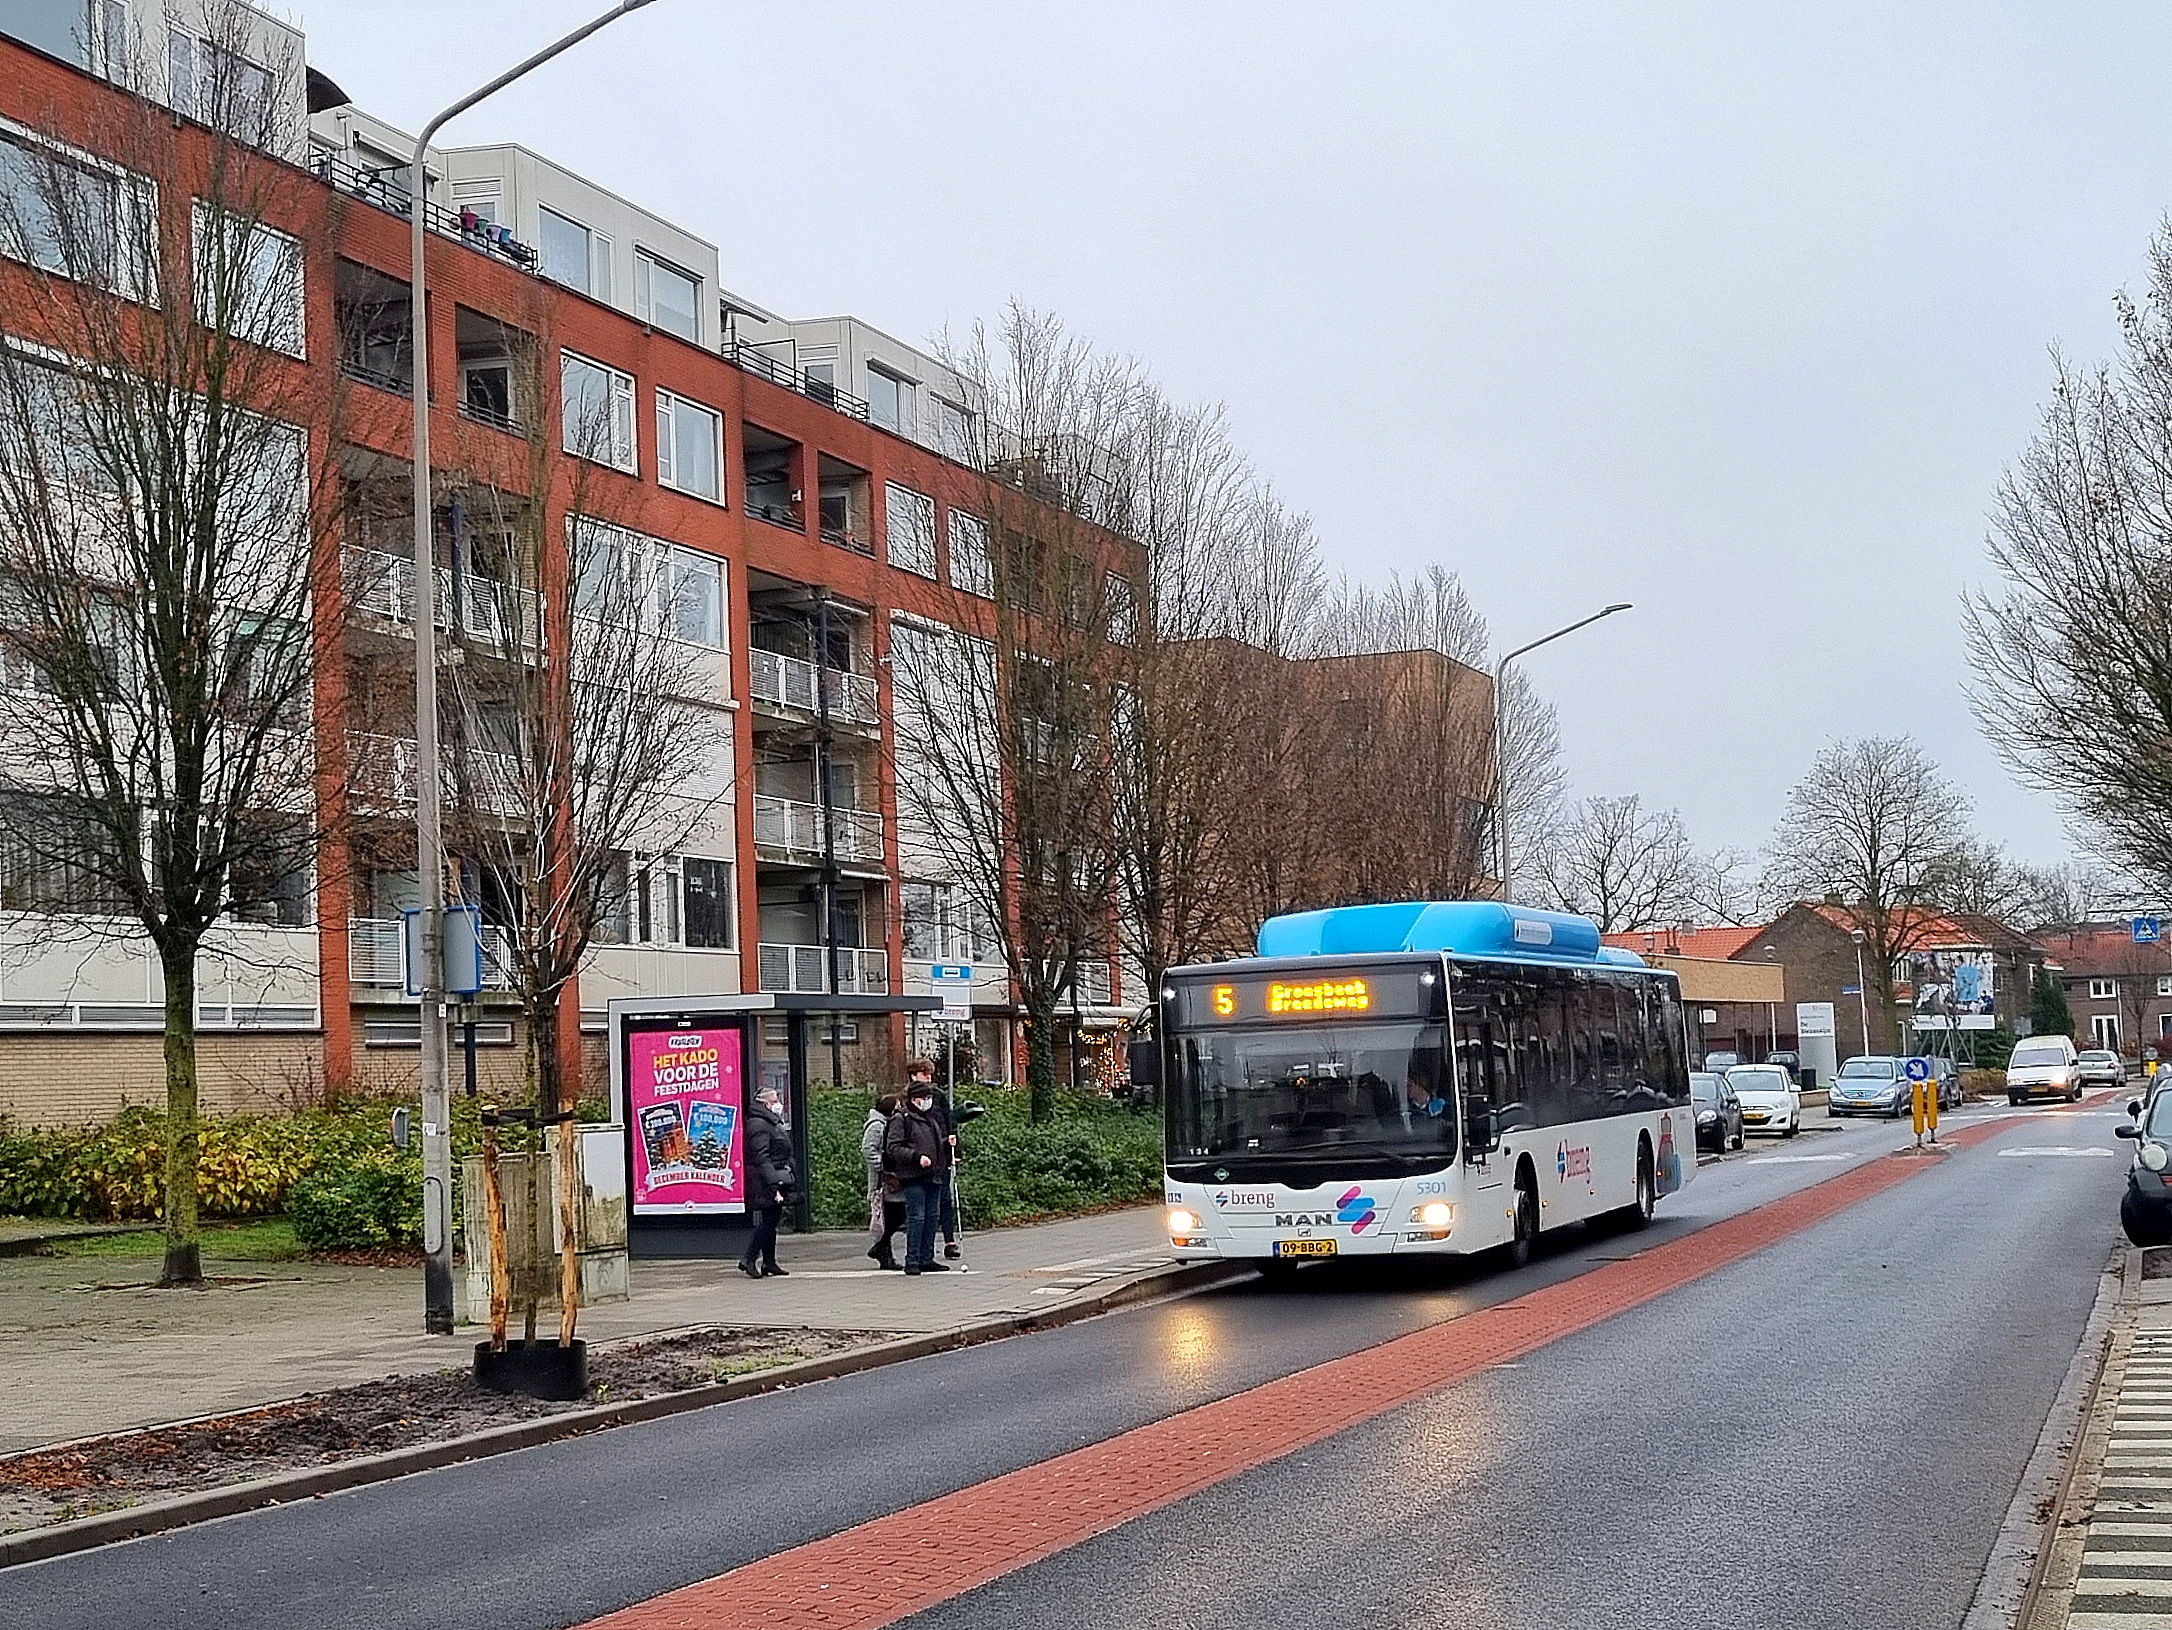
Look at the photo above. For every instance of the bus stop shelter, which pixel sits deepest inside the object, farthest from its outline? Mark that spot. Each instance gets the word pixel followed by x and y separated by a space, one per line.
pixel 683 1069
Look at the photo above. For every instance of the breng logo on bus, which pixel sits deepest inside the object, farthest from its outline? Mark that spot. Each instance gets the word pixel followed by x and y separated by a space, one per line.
pixel 1570 1163
pixel 1355 1209
pixel 1245 1199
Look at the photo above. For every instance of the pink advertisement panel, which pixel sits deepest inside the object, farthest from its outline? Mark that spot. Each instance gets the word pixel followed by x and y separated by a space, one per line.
pixel 683 1104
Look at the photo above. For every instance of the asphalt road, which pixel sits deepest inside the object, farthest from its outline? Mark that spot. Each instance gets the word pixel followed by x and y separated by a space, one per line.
pixel 1827 1433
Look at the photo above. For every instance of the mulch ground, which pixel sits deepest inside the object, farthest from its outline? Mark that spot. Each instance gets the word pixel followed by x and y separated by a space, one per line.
pixel 56 1485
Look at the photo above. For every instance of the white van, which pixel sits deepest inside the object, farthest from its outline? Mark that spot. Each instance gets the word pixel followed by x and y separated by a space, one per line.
pixel 2043 1066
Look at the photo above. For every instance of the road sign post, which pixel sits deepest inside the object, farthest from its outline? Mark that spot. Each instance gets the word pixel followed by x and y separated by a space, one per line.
pixel 1923 1095
pixel 2146 930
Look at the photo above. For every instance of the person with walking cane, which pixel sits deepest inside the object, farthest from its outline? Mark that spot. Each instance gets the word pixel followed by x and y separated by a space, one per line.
pixel 916 1150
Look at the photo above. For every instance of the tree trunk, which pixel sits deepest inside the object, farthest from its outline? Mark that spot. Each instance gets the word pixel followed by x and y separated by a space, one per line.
pixel 184 1250
pixel 569 1217
pixel 1041 1062
pixel 543 1057
pixel 494 1215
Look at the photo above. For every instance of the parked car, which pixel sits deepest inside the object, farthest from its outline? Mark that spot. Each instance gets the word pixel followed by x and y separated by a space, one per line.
pixel 2100 1067
pixel 1719 1112
pixel 1870 1085
pixel 1788 1061
pixel 1721 1063
pixel 1948 1075
pixel 1771 1102
pixel 2145 1210
pixel 2042 1066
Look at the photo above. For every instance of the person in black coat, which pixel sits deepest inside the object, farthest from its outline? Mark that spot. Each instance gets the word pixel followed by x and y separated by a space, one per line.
pixel 916 1150
pixel 769 1181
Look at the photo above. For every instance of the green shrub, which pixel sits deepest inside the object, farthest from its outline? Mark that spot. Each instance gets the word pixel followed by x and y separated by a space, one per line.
pixel 374 1201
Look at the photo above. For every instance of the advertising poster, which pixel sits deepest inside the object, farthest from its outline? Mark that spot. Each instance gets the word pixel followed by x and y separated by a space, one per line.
pixel 683 1101
pixel 1955 990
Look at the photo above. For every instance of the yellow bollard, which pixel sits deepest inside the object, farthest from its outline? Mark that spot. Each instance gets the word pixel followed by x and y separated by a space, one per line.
pixel 1930 1105
pixel 1916 1097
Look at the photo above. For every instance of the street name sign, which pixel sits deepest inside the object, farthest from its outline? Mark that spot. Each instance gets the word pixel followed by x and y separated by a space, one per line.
pixel 953 982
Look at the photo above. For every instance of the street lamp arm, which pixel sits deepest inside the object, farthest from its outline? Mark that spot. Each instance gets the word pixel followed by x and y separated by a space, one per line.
pixel 1500 736
pixel 511 74
pixel 1521 650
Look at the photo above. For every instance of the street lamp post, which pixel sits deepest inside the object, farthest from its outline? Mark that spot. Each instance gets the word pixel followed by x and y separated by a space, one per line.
pixel 1500 737
pixel 1862 992
pixel 429 831
pixel 1772 1014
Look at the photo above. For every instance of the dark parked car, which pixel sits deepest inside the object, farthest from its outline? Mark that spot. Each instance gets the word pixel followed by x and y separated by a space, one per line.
pixel 1719 1112
pixel 2145 1211
pixel 1788 1061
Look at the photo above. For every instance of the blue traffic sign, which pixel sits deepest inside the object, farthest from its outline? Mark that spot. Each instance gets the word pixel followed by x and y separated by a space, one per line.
pixel 1919 1069
pixel 2145 930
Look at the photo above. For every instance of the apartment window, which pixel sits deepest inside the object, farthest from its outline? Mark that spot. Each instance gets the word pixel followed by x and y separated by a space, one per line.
pixel 689 439
pixel 969 566
pixel 58 215
pixel 912 528
pixel 220 87
pixel 2164 984
pixel 667 297
pixel 1123 608
pixel 696 587
pixel 953 431
pixel 599 404
pixel 267 671
pixel 575 256
pixel 248 280
pixel 709 914
pixel 2103 990
pixel 890 400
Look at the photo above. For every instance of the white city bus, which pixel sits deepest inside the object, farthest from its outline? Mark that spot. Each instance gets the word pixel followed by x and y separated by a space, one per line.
pixel 1441 1077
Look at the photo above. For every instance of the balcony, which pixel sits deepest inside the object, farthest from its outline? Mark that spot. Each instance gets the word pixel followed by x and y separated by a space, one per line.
pixel 387 190
pixel 753 359
pixel 376 958
pixel 790 684
pixel 384 585
pixel 795 830
pixel 805 969
pixel 381 776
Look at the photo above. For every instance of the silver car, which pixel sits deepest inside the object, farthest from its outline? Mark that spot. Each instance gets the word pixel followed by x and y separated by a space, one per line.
pixel 1871 1086
pixel 2100 1067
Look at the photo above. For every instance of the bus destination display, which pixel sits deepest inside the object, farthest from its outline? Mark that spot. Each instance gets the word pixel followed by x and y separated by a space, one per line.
pixel 1377 993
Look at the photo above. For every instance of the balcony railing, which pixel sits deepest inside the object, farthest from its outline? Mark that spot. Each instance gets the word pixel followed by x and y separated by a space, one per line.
pixel 381 776
pixel 384 585
pixel 753 359
pixel 789 682
pixel 490 416
pixel 795 828
pixel 375 956
pixel 387 189
pixel 805 968
pixel 383 379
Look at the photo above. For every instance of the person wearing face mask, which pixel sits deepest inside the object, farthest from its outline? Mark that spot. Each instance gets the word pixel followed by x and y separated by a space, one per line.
pixel 916 1150
pixel 769 1181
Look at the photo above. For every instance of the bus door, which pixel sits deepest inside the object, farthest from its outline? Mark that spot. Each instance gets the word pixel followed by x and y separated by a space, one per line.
pixel 1485 1053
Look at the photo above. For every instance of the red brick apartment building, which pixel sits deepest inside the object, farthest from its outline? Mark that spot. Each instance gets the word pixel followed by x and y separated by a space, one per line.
pixel 795 473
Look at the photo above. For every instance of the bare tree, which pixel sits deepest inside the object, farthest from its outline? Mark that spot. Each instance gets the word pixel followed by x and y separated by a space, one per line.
pixel 585 744
pixel 165 548
pixel 1873 826
pixel 1003 727
pixel 2073 651
pixel 1531 755
pixel 1622 865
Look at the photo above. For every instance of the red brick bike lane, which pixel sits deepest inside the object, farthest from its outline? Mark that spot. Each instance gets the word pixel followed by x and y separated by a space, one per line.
pixel 885 1570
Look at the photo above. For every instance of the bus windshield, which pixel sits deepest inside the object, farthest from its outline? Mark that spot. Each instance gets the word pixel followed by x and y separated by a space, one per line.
pixel 1333 1089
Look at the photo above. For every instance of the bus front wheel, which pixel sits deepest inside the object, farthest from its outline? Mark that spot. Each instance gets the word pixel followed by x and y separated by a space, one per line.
pixel 1518 1249
pixel 1638 1212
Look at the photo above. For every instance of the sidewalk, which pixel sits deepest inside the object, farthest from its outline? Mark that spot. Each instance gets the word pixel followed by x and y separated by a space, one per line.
pixel 90 1346
pixel 2124 1580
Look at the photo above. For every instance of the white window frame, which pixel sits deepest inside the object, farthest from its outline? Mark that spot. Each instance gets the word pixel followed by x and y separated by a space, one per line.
pixel 646 265
pixel 953 429
pixel 135 203
pixel 294 325
pixel 2164 984
pixel 909 521
pixel 908 391
pixel 620 384
pixel 2103 990
pixel 972 569
pixel 2104 1031
pixel 668 406
pixel 1122 612
pixel 598 284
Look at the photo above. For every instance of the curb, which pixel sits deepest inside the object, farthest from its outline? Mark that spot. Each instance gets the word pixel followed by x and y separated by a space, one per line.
pixel 34 1244
pixel 182 1510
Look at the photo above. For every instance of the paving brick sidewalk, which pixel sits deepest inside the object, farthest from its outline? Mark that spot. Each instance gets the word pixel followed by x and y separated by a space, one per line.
pixel 90 1346
pixel 2125 1577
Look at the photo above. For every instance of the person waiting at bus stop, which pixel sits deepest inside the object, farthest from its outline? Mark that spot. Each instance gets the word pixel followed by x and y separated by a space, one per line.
pixel 920 1072
pixel 917 1150
pixel 769 1181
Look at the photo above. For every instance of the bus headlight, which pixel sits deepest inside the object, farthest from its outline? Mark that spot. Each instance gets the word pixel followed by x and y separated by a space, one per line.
pixel 1182 1222
pixel 1433 1214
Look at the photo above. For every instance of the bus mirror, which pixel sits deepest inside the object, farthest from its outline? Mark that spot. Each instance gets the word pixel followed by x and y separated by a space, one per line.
pixel 1482 1127
pixel 1145 1060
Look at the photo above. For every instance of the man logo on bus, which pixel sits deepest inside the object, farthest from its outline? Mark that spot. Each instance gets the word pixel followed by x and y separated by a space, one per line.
pixel 1355 1208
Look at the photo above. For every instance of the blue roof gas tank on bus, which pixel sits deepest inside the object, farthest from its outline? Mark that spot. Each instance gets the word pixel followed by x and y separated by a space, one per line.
pixel 1474 928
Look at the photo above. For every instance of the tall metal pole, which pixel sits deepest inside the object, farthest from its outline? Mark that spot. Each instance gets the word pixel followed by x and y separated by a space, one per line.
pixel 429 831
pixel 1862 993
pixel 1500 737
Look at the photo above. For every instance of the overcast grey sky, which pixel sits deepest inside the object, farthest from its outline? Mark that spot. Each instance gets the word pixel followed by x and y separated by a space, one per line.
pixel 1735 311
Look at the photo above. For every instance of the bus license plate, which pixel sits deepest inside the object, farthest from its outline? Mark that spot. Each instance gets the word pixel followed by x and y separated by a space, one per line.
pixel 1304 1247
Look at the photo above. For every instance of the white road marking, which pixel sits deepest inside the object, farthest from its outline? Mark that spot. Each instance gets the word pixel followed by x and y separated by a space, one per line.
pixel 2057 1149
pixel 1793 1160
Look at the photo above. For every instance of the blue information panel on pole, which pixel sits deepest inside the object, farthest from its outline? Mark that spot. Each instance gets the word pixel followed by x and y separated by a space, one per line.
pixel 2145 930
pixel 1919 1069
